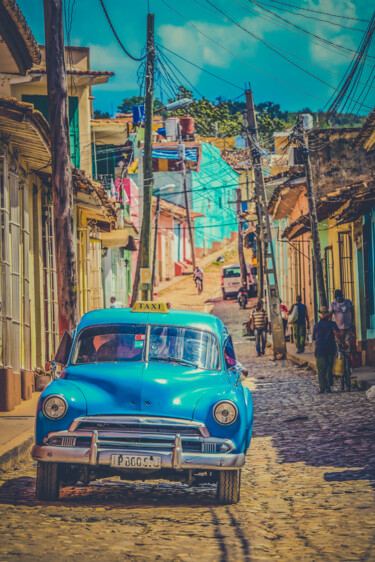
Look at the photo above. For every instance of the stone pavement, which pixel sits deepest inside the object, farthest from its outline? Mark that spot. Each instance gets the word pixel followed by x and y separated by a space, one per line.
pixel 307 488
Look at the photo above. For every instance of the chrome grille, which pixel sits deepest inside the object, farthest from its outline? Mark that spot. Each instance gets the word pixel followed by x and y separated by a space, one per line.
pixel 140 429
pixel 68 441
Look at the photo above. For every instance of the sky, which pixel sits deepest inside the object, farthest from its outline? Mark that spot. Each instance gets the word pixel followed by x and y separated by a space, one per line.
pixel 198 32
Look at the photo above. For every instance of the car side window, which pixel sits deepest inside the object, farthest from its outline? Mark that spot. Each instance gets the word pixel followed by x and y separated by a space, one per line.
pixel 229 355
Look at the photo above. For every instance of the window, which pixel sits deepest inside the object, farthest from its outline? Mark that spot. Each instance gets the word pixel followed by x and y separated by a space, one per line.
pixel 185 344
pixel 346 264
pixel 110 344
pixel 329 273
pixel 41 104
pixel 232 272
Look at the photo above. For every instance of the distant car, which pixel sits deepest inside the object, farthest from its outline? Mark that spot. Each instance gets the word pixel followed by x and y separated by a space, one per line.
pixel 145 394
pixel 231 280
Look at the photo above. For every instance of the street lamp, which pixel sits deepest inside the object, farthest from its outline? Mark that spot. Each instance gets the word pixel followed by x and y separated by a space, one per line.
pixel 157 191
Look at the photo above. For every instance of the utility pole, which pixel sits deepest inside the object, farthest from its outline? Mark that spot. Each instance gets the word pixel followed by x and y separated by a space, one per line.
pixel 299 134
pixel 62 183
pixel 181 157
pixel 278 337
pixel 240 240
pixel 148 180
pixel 157 212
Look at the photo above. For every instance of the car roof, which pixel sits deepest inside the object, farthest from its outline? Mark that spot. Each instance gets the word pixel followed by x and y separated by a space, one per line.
pixel 186 318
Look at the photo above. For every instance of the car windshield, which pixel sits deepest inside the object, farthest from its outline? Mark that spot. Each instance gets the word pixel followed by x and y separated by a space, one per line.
pixel 114 343
pixel 184 346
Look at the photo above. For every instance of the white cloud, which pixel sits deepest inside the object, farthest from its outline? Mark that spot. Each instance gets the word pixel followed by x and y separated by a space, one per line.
pixel 111 58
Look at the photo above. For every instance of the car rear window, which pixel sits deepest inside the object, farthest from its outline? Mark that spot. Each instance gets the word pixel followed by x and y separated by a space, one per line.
pixel 112 343
pixel 232 272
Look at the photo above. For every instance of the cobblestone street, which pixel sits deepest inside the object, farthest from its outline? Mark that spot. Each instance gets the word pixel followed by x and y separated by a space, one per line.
pixel 307 488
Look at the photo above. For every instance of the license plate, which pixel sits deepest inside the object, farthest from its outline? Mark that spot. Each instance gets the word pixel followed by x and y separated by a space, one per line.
pixel 135 461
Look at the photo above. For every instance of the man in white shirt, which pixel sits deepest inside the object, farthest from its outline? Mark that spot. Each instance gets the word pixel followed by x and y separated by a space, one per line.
pixel 115 303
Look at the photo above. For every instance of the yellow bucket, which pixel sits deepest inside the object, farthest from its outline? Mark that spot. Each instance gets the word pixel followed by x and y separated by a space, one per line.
pixel 338 367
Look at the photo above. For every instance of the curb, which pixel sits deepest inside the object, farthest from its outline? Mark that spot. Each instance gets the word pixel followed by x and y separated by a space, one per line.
pixel 301 361
pixel 18 450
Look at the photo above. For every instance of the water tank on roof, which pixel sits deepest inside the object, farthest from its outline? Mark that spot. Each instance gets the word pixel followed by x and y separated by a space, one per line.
pixel 187 125
pixel 171 127
pixel 138 114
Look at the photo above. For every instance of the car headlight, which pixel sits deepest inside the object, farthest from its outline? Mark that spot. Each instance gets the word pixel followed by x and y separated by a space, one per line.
pixel 225 413
pixel 55 407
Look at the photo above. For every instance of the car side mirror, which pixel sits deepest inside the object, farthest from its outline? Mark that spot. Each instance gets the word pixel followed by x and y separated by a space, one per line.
pixel 65 346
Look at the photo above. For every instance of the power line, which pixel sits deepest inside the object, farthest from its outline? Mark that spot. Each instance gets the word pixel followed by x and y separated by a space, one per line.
pixel 318 11
pixel 258 38
pixel 289 23
pixel 313 18
pixel 238 58
pixel 116 36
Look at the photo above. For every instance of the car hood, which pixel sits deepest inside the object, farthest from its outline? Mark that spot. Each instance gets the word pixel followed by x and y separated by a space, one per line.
pixel 156 389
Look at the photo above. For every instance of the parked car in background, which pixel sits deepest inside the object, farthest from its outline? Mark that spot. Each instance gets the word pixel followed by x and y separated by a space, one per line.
pixel 231 280
pixel 148 393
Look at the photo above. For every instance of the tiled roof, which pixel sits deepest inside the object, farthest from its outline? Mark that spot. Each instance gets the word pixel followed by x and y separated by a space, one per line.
pixel 85 185
pixel 18 19
pixel 366 132
pixel 75 72
pixel 237 159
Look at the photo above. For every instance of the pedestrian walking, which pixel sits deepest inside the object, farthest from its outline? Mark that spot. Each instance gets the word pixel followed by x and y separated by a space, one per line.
pixel 325 349
pixel 342 312
pixel 284 315
pixel 299 319
pixel 259 323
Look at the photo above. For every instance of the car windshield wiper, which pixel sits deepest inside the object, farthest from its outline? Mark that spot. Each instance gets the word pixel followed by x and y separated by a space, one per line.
pixel 174 360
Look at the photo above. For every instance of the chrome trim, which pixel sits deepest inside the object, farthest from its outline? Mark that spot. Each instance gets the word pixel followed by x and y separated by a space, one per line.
pixel 177 452
pixel 55 396
pixel 93 454
pixel 227 402
pixel 201 461
pixel 143 420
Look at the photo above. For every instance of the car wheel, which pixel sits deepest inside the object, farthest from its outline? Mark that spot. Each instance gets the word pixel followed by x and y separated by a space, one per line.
pixel 47 481
pixel 225 296
pixel 229 486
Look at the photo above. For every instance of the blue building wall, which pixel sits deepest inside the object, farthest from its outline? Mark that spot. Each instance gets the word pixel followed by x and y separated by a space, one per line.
pixel 213 188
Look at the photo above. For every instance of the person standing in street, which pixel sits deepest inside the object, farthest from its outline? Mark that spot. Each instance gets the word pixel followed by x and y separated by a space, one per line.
pixel 114 303
pixel 325 349
pixel 259 323
pixel 300 322
pixel 342 312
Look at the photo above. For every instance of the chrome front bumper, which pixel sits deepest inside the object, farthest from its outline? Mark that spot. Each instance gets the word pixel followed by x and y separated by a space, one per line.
pixel 102 446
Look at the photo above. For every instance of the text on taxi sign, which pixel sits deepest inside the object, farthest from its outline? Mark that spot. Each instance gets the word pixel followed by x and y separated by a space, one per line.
pixel 149 306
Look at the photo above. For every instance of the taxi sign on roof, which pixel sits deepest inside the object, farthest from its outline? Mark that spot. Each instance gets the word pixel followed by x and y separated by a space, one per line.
pixel 149 306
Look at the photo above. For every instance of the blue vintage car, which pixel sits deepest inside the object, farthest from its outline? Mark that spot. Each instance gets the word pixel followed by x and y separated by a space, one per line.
pixel 144 394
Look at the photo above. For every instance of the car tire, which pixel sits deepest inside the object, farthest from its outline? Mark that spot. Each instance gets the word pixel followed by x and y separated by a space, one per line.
pixel 47 481
pixel 225 296
pixel 228 487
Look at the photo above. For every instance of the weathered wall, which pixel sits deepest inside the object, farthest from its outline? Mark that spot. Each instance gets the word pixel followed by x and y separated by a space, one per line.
pixel 336 163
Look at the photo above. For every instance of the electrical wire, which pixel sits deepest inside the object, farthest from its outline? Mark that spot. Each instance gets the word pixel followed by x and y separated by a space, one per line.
pixel 318 11
pixel 116 36
pixel 238 58
pixel 258 38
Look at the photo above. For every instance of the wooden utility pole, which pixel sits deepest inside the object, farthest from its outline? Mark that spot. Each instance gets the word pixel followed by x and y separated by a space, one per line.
pixel 181 157
pixel 273 296
pixel 148 180
pixel 241 255
pixel 157 212
pixel 62 183
pixel 299 134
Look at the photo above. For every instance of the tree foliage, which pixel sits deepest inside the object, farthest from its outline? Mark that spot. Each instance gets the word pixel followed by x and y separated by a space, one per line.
pixel 211 119
pixel 127 104
pixel 100 114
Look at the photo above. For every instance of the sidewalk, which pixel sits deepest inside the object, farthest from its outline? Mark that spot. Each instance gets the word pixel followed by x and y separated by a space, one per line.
pixel 17 432
pixel 361 374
